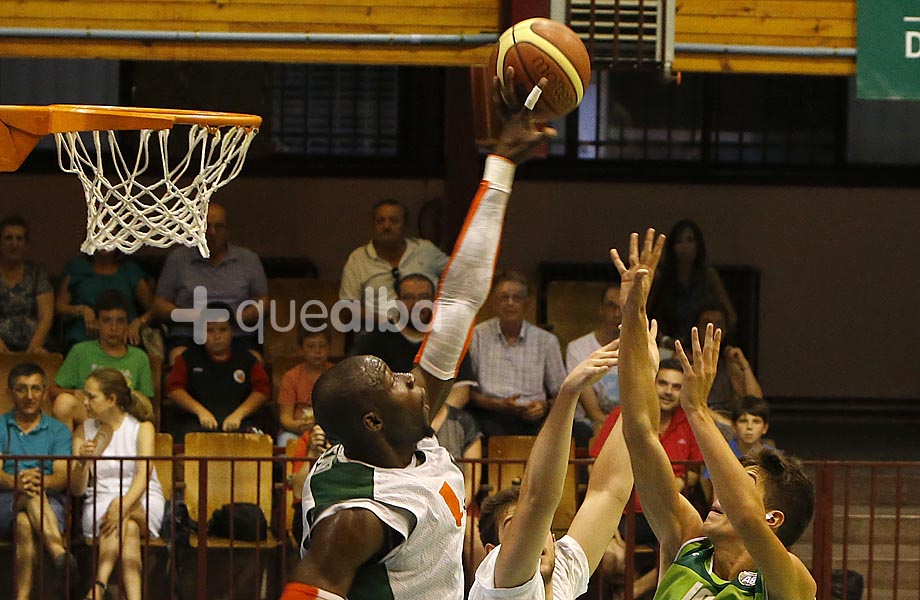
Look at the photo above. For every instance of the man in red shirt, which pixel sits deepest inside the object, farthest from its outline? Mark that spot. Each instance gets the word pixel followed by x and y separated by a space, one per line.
pixel 679 444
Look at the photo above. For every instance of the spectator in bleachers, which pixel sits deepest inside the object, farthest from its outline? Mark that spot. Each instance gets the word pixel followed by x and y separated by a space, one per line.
pixel 295 398
pixel 734 377
pixel 680 445
pixel 218 386
pixel 26 297
pixel 518 366
pixel 124 500
pixel 231 275
pixel 32 497
pixel 85 277
pixel 750 421
pixel 110 350
pixel 387 257
pixel 454 427
pixel 397 348
pixel 596 401
pixel 685 282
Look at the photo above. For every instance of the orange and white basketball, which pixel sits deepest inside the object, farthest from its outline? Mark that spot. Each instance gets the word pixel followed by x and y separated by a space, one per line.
pixel 538 48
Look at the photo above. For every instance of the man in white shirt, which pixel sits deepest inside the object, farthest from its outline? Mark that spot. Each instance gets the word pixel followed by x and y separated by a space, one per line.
pixel 388 257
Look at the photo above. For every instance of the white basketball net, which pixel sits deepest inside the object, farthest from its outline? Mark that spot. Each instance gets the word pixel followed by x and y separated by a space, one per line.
pixel 122 213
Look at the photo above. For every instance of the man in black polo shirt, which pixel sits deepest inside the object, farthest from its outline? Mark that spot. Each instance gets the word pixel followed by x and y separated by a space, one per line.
pixel 218 385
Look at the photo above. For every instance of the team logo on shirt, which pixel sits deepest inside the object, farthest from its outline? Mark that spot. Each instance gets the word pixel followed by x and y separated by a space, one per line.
pixel 747 578
pixel 239 376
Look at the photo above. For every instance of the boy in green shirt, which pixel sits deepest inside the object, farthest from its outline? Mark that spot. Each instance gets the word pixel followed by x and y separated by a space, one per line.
pixel 110 350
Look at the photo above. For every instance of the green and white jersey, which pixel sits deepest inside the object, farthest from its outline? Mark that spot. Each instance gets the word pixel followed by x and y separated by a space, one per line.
pixel 422 503
pixel 690 577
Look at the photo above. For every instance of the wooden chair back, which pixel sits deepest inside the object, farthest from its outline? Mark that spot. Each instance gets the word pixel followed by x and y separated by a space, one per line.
pixel 502 476
pixel 236 481
pixel 163 446
pixel 571 307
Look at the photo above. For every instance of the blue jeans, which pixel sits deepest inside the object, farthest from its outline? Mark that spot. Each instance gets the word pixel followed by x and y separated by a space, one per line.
pixel 57 500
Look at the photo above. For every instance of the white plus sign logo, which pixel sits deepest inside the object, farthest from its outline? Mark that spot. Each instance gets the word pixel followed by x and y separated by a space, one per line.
pixel 199 314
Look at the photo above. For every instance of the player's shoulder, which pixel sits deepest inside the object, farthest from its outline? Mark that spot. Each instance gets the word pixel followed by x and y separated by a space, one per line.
pixel 336 479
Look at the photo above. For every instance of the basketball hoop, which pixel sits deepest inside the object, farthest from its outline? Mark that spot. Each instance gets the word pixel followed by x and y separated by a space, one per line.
pixel 127 206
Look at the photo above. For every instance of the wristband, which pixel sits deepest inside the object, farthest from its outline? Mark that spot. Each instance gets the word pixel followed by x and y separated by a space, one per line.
pixel 499 172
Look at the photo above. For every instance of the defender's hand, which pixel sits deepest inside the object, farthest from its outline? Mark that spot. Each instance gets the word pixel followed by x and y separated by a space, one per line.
pixel 698 377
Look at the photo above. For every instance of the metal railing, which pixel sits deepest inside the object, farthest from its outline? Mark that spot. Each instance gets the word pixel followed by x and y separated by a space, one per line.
pixel 867 521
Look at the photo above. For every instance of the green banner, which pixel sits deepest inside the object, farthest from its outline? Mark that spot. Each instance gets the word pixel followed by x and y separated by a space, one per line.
pixel 888 50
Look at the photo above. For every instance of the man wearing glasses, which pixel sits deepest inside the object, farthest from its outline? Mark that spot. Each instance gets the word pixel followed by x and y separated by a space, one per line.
pixel 32 497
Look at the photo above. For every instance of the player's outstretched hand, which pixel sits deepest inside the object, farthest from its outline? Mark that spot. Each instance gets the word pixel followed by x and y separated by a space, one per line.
pixel 593 368
pixel 520 136
pixel 698 377
pixel 644 262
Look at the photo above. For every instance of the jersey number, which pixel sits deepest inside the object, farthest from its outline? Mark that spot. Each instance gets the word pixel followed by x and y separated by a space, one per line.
pixel 698 593
pixel 453 503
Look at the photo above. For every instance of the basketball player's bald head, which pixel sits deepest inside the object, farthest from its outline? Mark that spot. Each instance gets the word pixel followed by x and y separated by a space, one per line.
pixel 346 392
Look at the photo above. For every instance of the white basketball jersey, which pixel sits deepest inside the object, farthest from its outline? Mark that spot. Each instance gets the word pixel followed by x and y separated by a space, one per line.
pixel 423 503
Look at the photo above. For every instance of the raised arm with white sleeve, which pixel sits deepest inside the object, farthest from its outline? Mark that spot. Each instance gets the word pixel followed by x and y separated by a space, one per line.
pixel 467 279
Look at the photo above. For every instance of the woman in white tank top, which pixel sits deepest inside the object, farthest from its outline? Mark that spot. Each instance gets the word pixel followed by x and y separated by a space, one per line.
pixel 123 495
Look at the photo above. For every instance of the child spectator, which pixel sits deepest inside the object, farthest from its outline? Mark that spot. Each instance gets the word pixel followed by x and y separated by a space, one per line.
pixel 110 350
pixel 218 386
pixel 750 420
pixel 295 397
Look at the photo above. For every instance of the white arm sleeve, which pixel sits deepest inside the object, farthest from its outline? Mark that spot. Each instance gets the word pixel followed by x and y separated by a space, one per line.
pixel 468 277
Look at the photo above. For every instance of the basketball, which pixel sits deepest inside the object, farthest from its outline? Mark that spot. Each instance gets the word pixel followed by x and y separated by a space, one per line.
pixel 538 48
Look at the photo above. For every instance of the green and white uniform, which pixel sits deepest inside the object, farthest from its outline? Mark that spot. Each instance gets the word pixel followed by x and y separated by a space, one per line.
pixel 423 506
pixel 690 577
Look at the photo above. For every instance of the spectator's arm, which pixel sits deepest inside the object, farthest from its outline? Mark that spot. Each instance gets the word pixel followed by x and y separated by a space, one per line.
pixel 143 293
pixel 459 395
pixel 45 305
pixel 494 403
pixel 253 312
pixel 470 473
pixel 62 446
pixel 145 447
pixel 741 375
pixel 261 392
pixel 176 390
pixel 162 309
pixel 79 469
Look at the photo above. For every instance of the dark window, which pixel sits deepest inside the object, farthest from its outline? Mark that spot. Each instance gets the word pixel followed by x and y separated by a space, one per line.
pixel 711 119
pixel 335 110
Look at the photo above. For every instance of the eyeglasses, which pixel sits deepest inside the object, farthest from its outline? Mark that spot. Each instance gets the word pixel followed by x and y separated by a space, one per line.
pixel 395 273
